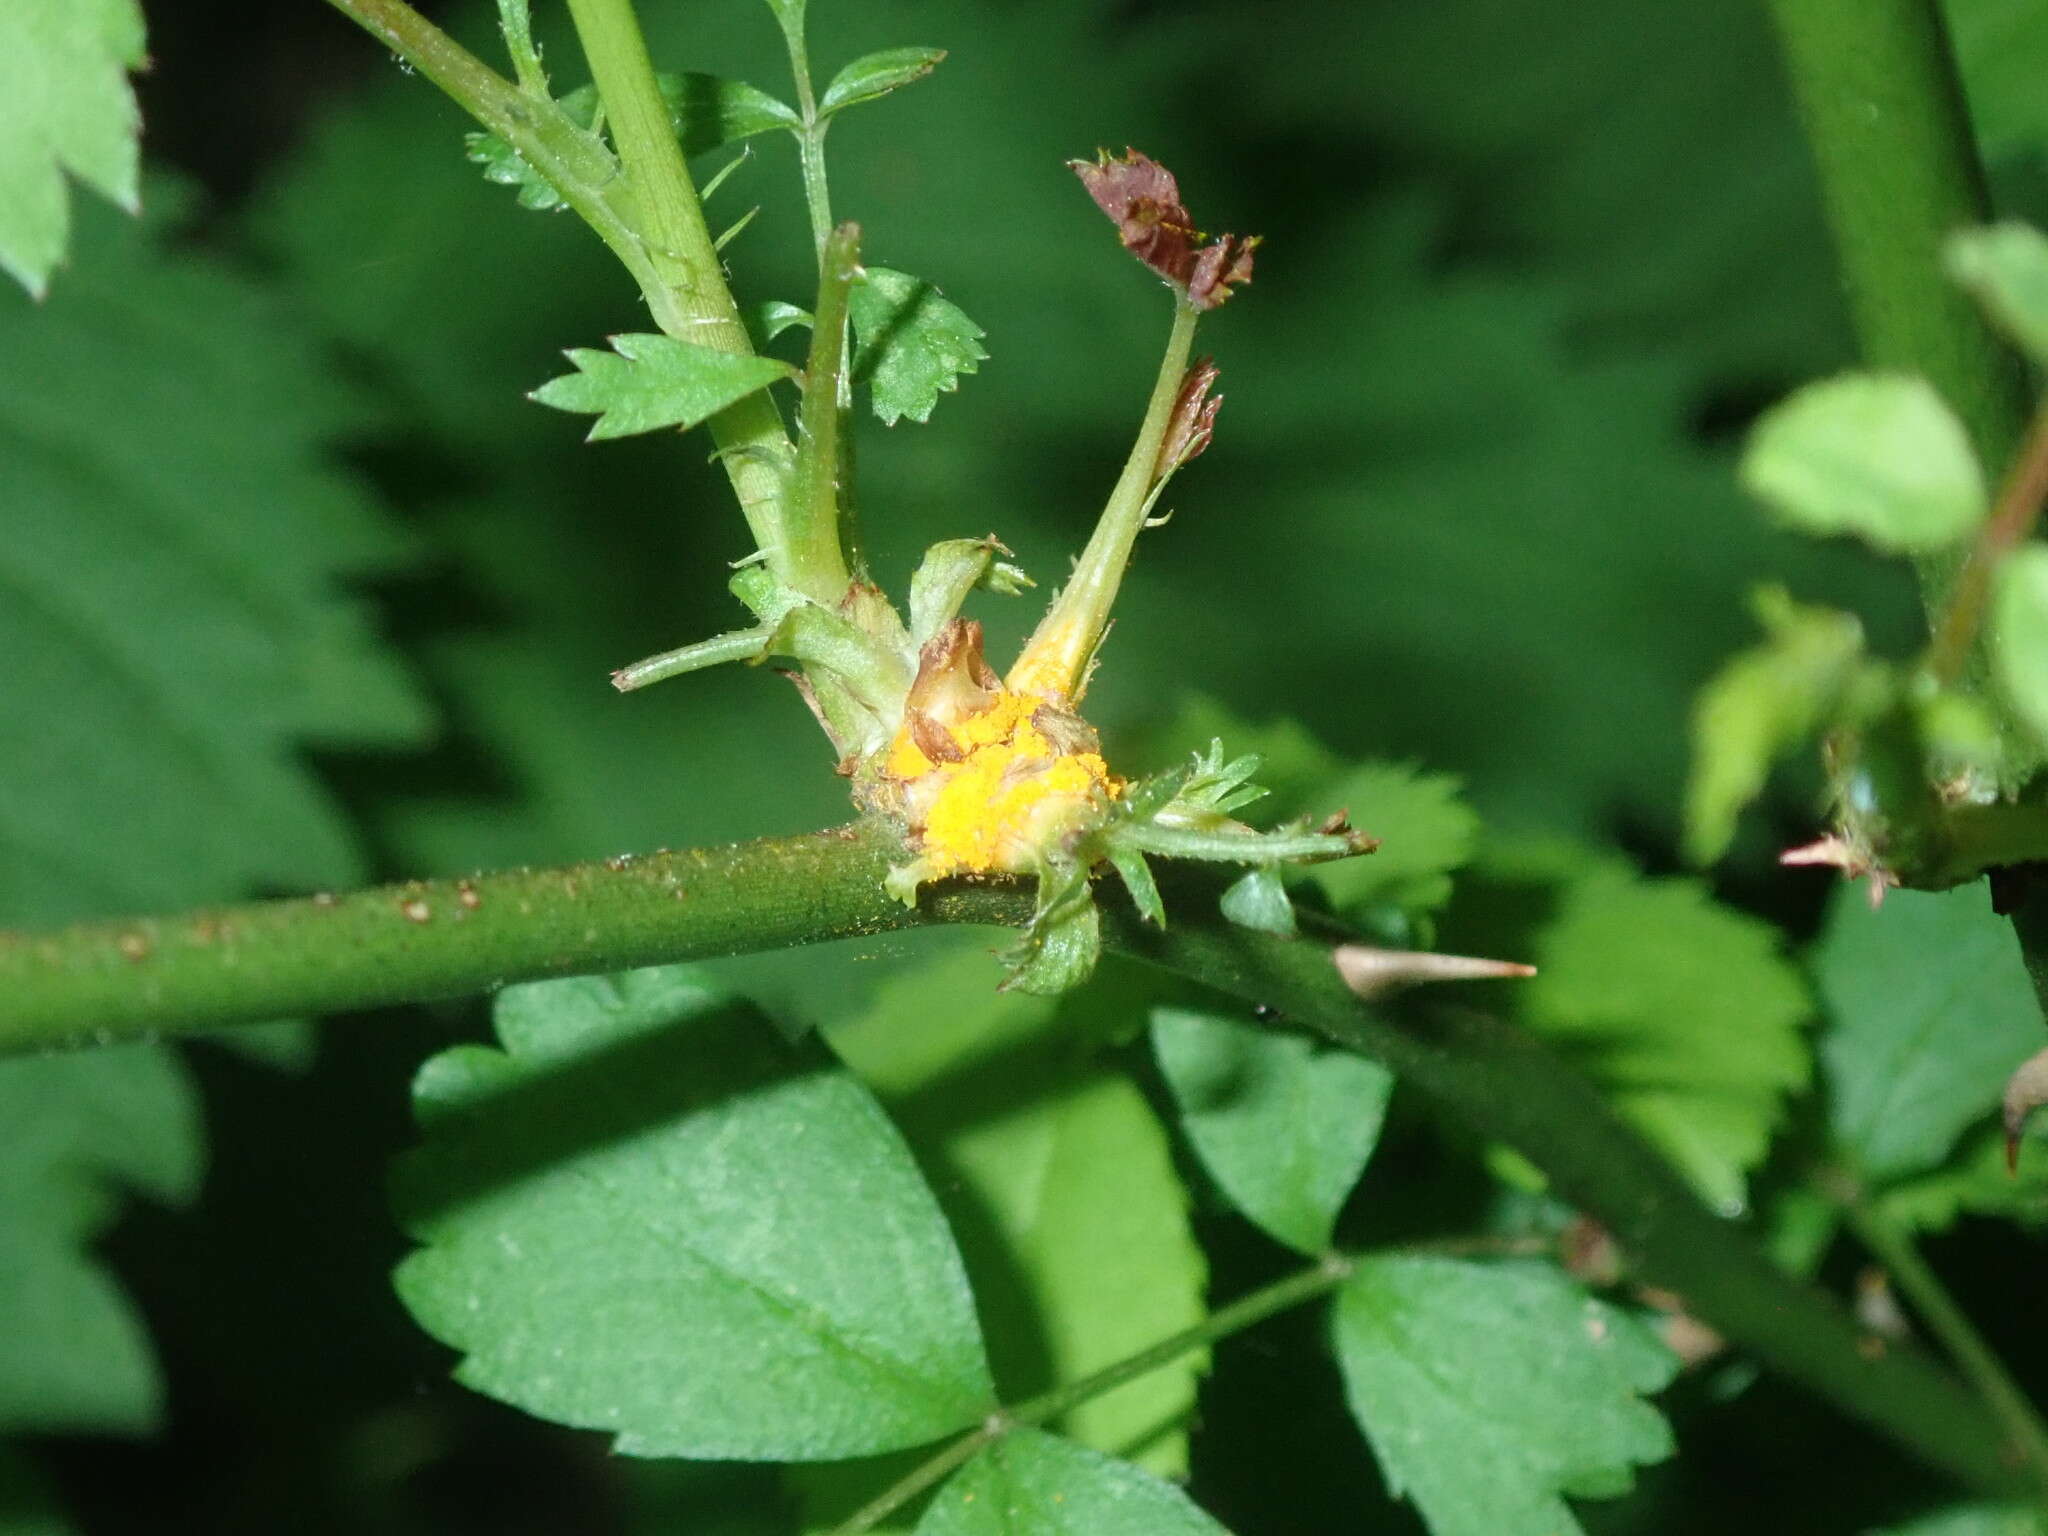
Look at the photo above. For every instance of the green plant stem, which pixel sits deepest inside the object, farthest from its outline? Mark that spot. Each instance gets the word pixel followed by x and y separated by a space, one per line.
pixel 1894 1248
pixel 1884 114
pixel 690 299
pixel 105 982
pixel 647 213
pixel 165 976
pixel 515 22
pixel 1246 1312
pixel 811 141
pixel 1060 648
pixel 2011 521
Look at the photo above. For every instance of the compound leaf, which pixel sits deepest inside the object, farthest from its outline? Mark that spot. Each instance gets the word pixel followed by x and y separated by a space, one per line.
pixel 1763 702
pixel 1877 455
pixel 1683 1010
pixel 65 106
pixel 1928 1010
pixel 652 381
pixel 1283 1125
pixel 1033 1481
pixel 1490 1392
pixel 647 1214
pixel 912 344
pixel 1056 1173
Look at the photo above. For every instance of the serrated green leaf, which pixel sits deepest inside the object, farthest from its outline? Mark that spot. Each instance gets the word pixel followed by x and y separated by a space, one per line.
pixel 2006 267
pixel 623 1214
pixel 912 344
pixel 651 381
pixel 1032 1481
pixel 1056 1173
pixel 81 1130
pixel 1762 703
pixel 875 75
pixel 65 106
pixel 1971 1520
pixel 1684 1011
pixel 1490 1392
pixel 1283 1126
pixel 1425 829
pixel 2019 634
pixel 1880 456
pixel 1928 1010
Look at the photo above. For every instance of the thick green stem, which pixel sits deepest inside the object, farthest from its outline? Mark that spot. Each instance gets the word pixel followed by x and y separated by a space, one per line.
pixel 689 298
pixel 1884 114
pixel 174 975
pixel 1893 1247
pixel 425 939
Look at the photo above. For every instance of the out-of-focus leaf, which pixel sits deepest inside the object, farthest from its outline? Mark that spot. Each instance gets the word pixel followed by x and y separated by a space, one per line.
pixel 2019 632
pixel 1971 1520
pixel 1683 1010
pixel 624 1214
pixel 876 74
pixel 1056 1174
pixel 81 1130
pixel 2006 267
pixel 65 106
pixel 177 631
pixel 1258 900
pixel 1928 1011
pixel 912 344
pixel 1880 456
pixel 1032 1481
pixel 1763 702
pixel 1974 1180
pixel 27 1507
pixel 1490 1393
pixel 1284 1126
pixel 1998 45
pixel 651 381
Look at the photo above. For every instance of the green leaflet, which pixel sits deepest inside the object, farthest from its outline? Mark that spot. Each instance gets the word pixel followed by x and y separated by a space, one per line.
pixel 1032 1481
pixel 622 1216
pixel 911 344
pixel 1684 1011
pixel 1425 829
pixel 1284 1126
pixel 1973 1180
pixel 650 381
pixel 65 107
pixel 1880 456
pixel 1928 1011
pixel 1762 703
pixel 875 75
pixel 2006 267
pixel 1056 1173
pixel 1491 1392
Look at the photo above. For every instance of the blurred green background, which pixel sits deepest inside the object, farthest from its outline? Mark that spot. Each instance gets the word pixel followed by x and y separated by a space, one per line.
pixel 1528 273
